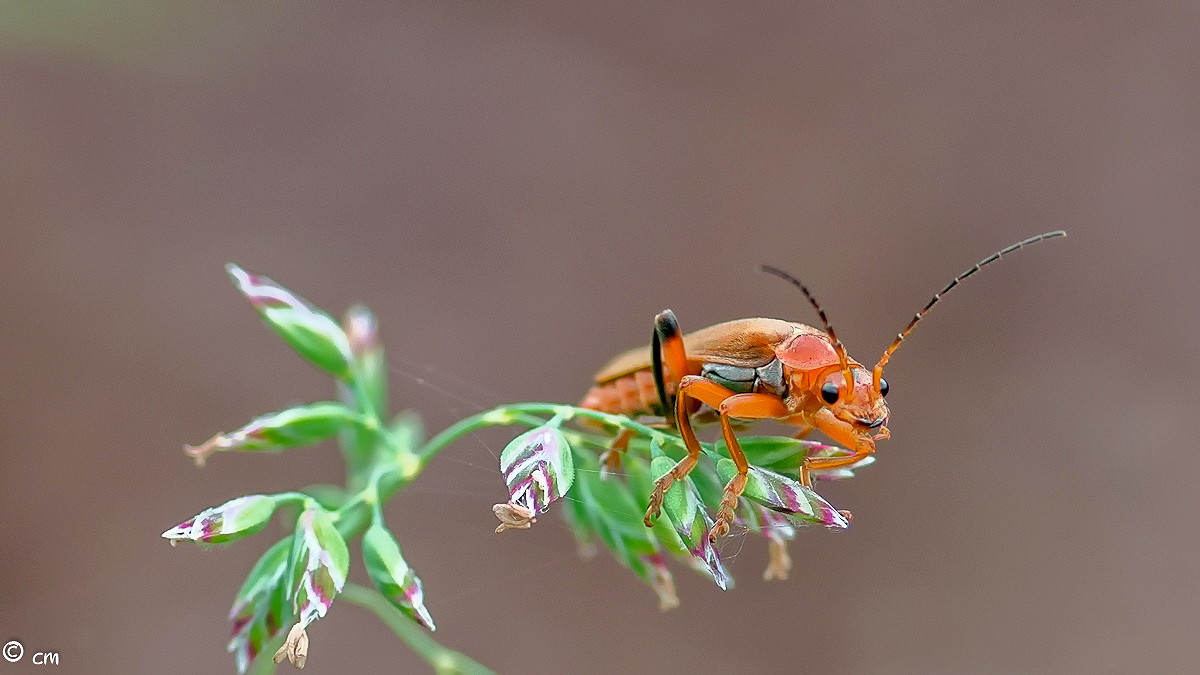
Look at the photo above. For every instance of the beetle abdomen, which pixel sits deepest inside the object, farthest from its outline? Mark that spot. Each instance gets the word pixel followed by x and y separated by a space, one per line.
pixel 635 394
pixel 632 395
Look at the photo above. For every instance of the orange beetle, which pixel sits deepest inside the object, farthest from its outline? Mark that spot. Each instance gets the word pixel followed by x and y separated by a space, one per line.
pixel 752 369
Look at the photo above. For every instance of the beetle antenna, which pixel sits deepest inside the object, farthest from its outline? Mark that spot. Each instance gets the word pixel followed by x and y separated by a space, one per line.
pixel 887 354
pixel 837 344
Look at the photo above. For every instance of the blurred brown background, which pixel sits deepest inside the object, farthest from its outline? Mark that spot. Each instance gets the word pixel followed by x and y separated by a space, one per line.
pixel 516 189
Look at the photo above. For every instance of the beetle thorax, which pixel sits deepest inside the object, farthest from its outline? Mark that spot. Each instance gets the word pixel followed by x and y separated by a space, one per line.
pixel 766 379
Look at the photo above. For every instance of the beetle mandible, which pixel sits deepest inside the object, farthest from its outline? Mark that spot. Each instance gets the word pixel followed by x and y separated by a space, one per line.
pixel 754 369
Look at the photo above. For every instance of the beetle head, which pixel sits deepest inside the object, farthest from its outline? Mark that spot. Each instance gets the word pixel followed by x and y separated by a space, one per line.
pixel 862 406
pixel 819 369
pixel 862 403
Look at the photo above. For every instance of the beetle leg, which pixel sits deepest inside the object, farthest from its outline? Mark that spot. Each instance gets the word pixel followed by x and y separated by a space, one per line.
pixel 701 389
pixel 667 341
pixel 842 432
pixel 799 421
pixel 746 407
pixel 610 459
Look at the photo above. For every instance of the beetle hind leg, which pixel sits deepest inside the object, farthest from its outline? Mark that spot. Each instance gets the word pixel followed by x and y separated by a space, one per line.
pixel 610 459
pixel 667 356
pixel 698 388
pixel 730 405
pixel 678 472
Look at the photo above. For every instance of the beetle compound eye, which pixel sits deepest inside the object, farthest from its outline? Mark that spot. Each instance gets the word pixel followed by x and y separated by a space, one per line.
pixel 883 387
pixel 829 392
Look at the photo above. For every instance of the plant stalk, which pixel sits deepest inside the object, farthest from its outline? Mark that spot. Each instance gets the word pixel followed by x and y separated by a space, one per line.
pixel 521 414
pixel 444 661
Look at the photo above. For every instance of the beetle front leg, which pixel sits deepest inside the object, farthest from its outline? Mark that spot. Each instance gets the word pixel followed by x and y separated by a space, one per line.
pixel 701 389
pixel 842 432
pixel 804 427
